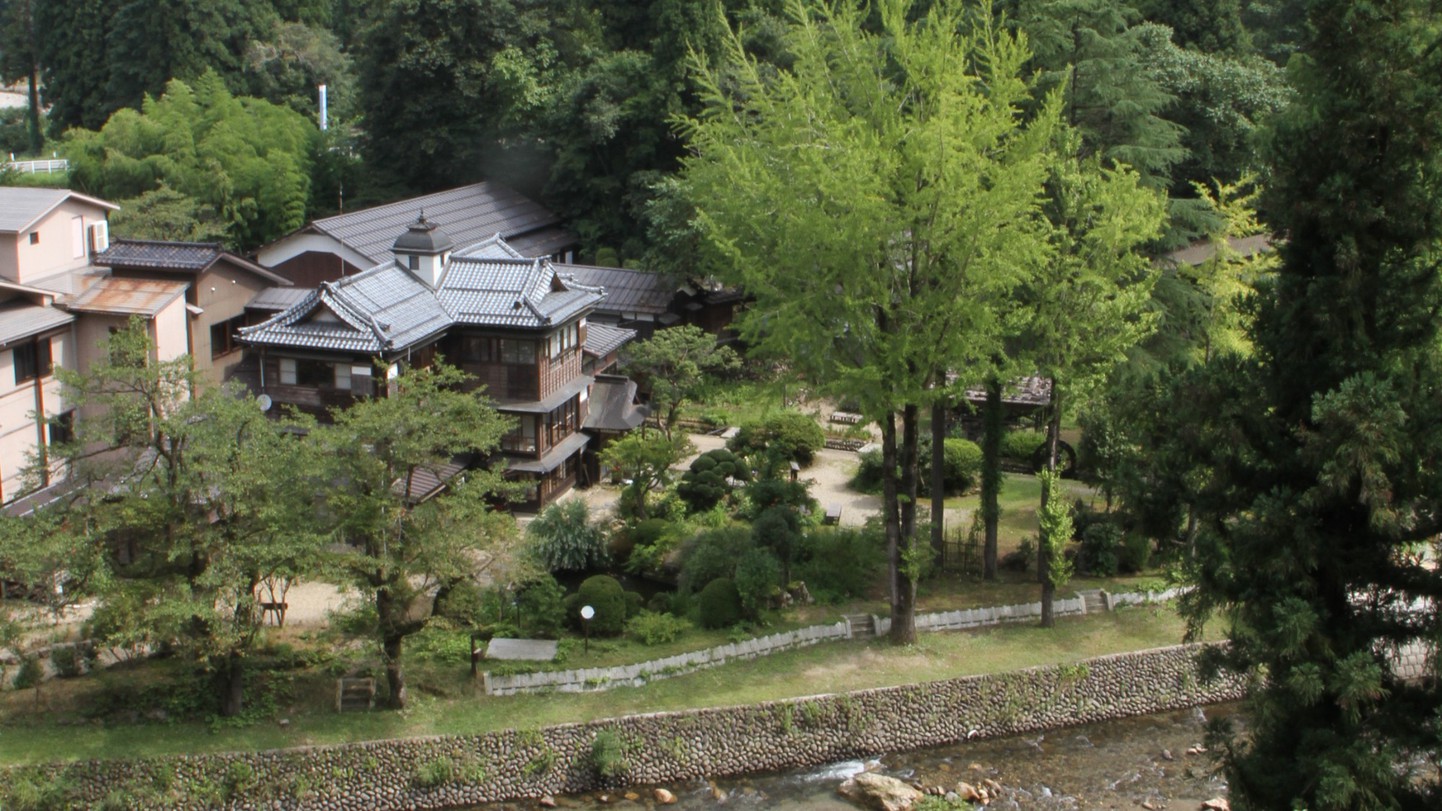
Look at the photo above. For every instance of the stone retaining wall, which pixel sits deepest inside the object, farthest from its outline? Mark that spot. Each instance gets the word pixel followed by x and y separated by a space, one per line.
pixel 662 748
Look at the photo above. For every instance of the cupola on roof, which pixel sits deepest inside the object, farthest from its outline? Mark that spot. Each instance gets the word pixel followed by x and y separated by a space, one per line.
pixel 423 237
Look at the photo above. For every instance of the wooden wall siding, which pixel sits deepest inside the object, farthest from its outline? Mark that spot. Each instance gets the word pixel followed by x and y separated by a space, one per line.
pixel 557 372
pixel 504 382
pixel 311 399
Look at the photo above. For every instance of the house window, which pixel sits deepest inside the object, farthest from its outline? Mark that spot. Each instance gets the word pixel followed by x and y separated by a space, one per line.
pixel 314 373
pixel 517 352
pixel 62 427
pixel 222 336
pixel 77 237
pixel 32 360
pixel 34 237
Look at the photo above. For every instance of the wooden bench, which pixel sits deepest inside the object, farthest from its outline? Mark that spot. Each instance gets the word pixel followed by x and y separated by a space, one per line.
pixel 833 514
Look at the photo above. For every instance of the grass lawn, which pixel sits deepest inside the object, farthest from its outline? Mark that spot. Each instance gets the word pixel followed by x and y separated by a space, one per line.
pixel 447 702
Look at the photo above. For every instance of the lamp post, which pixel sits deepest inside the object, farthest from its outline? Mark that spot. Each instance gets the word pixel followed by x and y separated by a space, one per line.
pixel 587 613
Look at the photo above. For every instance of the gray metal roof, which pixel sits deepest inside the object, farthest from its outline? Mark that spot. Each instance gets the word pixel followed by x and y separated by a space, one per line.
pixel 468 214
pixel 627 291
pixel 558 453
pixel 1199 252
pixel 22 319
pixel 193 257
pixel 21 207
pixel 603 339
pixel 381 310
pixel 613 405
pixel 275 299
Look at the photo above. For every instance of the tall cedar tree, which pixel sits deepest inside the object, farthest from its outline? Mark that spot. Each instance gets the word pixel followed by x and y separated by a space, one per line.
pixel 876 197
pixel 1312 548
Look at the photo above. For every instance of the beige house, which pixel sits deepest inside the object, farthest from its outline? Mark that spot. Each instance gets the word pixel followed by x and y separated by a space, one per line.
pixel 217 286
pixel 35 336
pixel 48 236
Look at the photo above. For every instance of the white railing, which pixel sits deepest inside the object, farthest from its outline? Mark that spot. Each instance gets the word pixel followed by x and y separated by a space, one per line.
pixel 45 167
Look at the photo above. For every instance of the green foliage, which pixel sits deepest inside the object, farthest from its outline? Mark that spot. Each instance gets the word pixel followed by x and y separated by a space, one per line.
pixel 841 563
pixel 162 213
pixel 1021 446
pixel 434 773
pixel 1055 519
pixel 758 578
pixel 719 604
pixel 960 473
pixel 646 460
pixel 1100 547
pixel 1135 554
pixel 30 673
pixel 674 364
pixel 603 593
pixel 36 792
pixel 562 538
pixel 246 160
pixel 651 628
pixel 704 484
pixel 543 608
pixel 712 554
pixel 67 660
pixel 609 756
pixel 785 435
pixel 778 530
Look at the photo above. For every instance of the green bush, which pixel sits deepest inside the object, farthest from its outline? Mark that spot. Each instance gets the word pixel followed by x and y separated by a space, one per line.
pixel 30 674
pixel 67 661
pixel 961 467
pixel 603 593
pixel 841 563
pixel 719 604
pixel 543 608
pixel 704 485
pixel 1101 541
pixel 1135 553
pixel 650 628
pixel 1021 446
pixel 712 554
pixel 758 577
pixel 434 773
pixel 791 435
pixel 563 539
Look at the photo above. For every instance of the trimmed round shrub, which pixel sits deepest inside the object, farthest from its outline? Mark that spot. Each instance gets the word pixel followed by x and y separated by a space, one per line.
pixel 1101 541
pixel 791 435
pixel 650 628
pixel 603 593
pixel 961 465
pixel 719 604
pixel 1021 446
pixel 704 485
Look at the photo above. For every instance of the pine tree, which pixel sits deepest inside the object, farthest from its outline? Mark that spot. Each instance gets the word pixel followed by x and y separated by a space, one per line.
pixel 1322 508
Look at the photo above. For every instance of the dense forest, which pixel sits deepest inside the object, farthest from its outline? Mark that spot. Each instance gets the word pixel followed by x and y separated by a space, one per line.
pixel 574 103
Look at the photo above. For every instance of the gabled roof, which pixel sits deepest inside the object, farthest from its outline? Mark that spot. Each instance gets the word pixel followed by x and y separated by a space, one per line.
pixel 627 291
pixel 185 257
pixel 468 214
pixel 511 293
pixel 22 207
pixel 21 319
pixel 116 296
pixel 381 310
pixel 613 405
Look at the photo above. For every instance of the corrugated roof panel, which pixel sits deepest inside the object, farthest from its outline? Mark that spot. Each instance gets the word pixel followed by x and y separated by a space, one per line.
pixel 128 296
pixel 20 319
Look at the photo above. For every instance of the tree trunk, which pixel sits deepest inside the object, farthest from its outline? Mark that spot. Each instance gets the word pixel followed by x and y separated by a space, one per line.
pixel 1044 545
pixel 903 620
pixel 32 116
pixel 231 686
pixel 991 475
pixel 938 484
pixel 389 615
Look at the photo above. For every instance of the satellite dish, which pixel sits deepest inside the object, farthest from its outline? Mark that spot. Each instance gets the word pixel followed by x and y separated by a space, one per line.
pixel 264 402
pixel 587 612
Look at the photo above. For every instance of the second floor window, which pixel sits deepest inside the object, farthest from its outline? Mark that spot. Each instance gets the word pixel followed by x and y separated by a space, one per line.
pixel 32 360
pixel 314 374
pixel 222 336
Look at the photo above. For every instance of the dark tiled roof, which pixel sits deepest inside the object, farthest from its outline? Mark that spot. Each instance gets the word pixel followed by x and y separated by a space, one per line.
pixel 193 257
pixel 381 310
pixel 627 291
pixel 468 214
pixel 511 293
pixel 603 339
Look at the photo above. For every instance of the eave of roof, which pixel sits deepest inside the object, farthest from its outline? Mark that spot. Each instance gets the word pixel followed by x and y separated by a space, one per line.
pixel 118 296
pixel 39 202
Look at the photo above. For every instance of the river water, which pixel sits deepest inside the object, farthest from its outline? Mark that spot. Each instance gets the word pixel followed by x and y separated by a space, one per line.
pixel 1147 762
